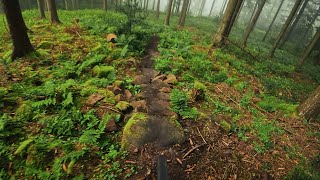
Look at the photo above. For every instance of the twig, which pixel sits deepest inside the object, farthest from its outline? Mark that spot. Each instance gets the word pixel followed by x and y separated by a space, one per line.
pixel 112 109
pixel 131 162
pixel 191 150
pixel 179 161
pixel 205 142
pixel 228 97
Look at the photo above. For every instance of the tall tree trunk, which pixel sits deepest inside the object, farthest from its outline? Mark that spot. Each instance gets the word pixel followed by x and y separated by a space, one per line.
pixel 154 5
pixel 54 19
pixel 105 5
pixel 253 22
pixel 285 27
pixel 168 15
pixel 235 15
pixel 183 13
pixel 173 6
pixel 158 10
pixel 310 109
pixel 273 20
pixel 294 23
pixel 178 6
pixel 226 23
pixel 310 25
pixel 314 41
pixel 189 6
pixel 240 10
pixel 212 6
pixel 66 5
pixel 254 10
pixel 223 7
pixel 18 30
pixel 41 9
pixel 203 3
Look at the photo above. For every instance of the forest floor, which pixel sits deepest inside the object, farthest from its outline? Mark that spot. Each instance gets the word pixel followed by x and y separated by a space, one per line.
pixel 63 108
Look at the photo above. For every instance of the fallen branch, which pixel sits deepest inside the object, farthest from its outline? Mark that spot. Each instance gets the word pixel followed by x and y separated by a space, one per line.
pixel 191 150
pixel 205 142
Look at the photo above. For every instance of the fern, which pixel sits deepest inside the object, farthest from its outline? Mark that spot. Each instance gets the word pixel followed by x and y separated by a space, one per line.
pixel 179 104
pixel 95 60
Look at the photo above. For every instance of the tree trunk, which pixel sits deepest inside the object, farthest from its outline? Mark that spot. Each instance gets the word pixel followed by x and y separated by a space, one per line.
pixel 203 3
pixel 66 5
pixel 41 9
pixel 285 27
pixel 54 19
pixel 226 24
pixel 310 25
pixel 223 7
pixel 158 10
pixel 212 6
pixel 18 30
pixel 154 5
pixel 314 41
pixel 310 109
pixel 273 20
pixel 294 23
pixel 105 5
pixel 253 22
pixel 240 10
pixel 183 13
pixel 173 6
pixel 235 15
pixel 168 16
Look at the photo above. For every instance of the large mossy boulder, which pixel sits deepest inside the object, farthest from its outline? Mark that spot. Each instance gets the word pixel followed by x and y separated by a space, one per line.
pixel 142 129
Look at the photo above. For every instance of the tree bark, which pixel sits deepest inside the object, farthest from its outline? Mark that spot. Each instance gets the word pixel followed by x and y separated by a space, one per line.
pixel 54 19
pixel 212 6
pixel 226 24
pixel 235 15
pixel 105 5
pixel 314 41
pixel 273 20
pixel 66 4
pixel 285 27
pixel 183 13
pixel 168 16
pixel 294 23
pixel 18 30
pixel 41 9
pixel 203 3
pixel 223 7
pixel 253 22
pixel 310 109
pixel 158 10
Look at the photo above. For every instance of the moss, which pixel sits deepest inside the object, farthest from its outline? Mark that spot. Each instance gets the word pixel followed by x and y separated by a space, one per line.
pixel 24 112
pixel 122 105
pixel 118 83
pixel 3 92
pixel 103 71
pixel 199 86
pixel 135 129
pixel 44 44
pixel 225 126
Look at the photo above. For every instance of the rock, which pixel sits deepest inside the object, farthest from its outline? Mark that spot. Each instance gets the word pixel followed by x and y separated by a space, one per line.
pixel 136 132
pixel 117 90
pixel 93 99
pixel 139 105
pixel 123 106
pixel 112 126
pixel 151 73
pixel 165 90
pixel 161 107
pixel 171 79
pixel 128 94
pixel 158 84
pixel 118 98
pixel 161 77
pixel 141 79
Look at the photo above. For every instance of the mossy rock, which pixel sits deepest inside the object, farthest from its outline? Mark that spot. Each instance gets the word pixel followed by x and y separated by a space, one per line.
pixel 24 112
pixel 103 71
pixel 199 86
pixel 136 131
pixel 123 106
pixel 225 126
pixel 3 92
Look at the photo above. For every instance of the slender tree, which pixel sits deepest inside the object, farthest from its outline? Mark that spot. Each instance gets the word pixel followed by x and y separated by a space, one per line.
pixel 168 15
pixel 158 10
pixel 18 30
pixel 235 15
pixel 273 20
pixel 183 13
pixel 54 19
pixel 226 24
pixel 66 4
pixel 41 9
pixel 294 23
pixel 253 22
pixel 311 23
pixel 203 3
pixel 310 109
pixel 307 52
pixel 154 5
pixel 285 27
pixel 105 5
pixel 212 6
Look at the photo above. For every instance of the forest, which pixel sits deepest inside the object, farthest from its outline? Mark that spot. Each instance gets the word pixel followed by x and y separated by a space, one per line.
pixel 160 89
